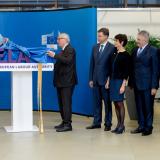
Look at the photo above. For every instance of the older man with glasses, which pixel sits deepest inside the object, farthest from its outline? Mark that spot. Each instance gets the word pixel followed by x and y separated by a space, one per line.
pixel 65 79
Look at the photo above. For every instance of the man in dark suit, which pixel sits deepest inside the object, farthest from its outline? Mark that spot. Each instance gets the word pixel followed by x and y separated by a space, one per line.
pixel 99 72
pixel 65 79
pixel 144 80
pixel 158 51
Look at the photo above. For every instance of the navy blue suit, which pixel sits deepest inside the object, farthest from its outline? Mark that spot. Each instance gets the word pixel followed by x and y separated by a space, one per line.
pixel 99 72
pixel 158 51
pixel 143 78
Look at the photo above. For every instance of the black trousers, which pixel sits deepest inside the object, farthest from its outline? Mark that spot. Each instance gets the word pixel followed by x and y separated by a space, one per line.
pixel 65 103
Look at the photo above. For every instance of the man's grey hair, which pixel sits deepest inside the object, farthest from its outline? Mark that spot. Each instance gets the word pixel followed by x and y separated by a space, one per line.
pixel 65 36
pixel 144 34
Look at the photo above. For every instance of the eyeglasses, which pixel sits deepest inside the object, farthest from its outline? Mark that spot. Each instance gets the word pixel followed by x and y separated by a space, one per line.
pixel 60 38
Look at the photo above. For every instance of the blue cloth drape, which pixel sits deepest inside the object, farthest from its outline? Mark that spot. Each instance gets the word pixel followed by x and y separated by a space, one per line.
pixel 37 54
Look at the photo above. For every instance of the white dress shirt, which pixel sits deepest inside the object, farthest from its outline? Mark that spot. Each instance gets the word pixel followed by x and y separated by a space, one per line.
pixel 65 46
pixel 140 50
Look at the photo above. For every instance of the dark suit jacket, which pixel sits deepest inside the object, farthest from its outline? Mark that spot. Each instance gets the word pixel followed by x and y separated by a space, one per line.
pixel 159 61
pixel 65 74
pixel 99 67
pixel 144 69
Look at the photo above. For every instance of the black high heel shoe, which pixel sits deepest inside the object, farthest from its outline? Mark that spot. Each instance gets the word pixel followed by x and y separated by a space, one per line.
pixel 120 130
pixel 115 130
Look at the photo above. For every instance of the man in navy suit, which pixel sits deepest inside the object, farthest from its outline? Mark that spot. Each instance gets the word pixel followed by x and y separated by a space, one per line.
pixel 158 51
pixel 144 80
pixel 98 75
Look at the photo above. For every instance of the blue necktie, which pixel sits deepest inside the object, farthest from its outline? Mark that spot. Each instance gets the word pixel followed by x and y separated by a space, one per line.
pixel 139 51
pixel 101 50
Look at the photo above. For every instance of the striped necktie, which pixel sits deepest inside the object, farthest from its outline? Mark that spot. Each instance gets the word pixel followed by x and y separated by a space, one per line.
pixel 139 51
pixel 101 50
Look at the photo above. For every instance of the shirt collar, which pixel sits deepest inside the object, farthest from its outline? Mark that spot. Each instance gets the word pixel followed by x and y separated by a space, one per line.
pixel 65 46
pixel 104 44
pixel 144 46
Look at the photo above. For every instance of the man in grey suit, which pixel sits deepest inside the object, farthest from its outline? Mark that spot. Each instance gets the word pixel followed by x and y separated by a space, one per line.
pixel 98 75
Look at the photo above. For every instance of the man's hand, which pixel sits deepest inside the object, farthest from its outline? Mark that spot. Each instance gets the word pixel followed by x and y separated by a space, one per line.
pixel 107 85
pixel 122 89
pixel 153 91
pixel 91 84
pixel 51 54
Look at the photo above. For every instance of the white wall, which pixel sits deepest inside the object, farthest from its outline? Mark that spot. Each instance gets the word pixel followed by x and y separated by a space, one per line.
pixel 128 21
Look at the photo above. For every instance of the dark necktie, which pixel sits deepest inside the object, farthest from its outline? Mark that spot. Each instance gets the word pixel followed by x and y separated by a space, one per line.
pixel 139 51
pixel 101 50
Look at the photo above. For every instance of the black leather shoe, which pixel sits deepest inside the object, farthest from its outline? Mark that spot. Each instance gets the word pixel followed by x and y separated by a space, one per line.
pixel 107 128
pixel 93 127
pixel 65 128
pixel 138 130
pixel 59 126
pixel 120 130
pixel 115 130
pixel 147 133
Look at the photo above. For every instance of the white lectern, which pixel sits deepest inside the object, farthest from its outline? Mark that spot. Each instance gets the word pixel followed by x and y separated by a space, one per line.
pixel 22 98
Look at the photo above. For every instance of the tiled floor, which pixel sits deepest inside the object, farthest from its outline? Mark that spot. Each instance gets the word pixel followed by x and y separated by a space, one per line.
pixel 81 144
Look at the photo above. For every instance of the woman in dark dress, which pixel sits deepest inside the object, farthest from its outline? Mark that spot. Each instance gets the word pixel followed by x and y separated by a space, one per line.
pixel 119 71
